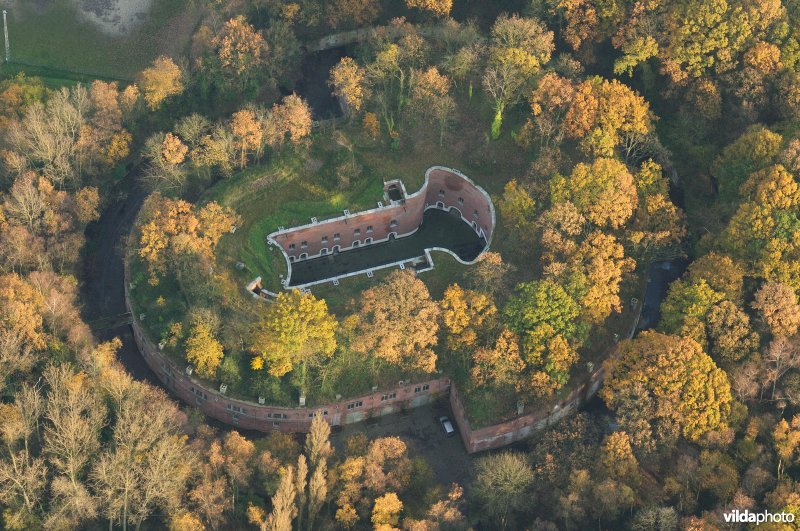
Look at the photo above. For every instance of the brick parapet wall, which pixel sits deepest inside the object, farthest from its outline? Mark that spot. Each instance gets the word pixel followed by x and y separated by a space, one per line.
pixel 521 427
pixel 253 416
pixel 524 426
pixel 444 188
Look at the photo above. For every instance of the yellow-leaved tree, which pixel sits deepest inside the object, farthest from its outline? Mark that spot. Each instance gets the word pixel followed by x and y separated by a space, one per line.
pixel 662 387
pixel 203 350
pixel 398 323
pixel 465 313
pixel 295 330
pixel 348 80
pixel 173 229
pixel 440 8
pixel 160 81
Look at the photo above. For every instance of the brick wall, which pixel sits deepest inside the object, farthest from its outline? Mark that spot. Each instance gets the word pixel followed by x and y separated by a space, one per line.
pixel 254 416
pixel 523 426
pixel 444 188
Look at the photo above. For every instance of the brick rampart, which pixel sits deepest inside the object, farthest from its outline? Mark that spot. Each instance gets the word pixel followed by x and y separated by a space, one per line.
pixel 444 188
pixel 253 416
pixel 523 426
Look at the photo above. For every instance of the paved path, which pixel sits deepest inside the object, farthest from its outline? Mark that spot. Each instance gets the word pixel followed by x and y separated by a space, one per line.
pixel 420 429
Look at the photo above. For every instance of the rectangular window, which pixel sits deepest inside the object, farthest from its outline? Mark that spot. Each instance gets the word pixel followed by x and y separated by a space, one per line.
pixel 441 193
pixel 417 389
pixel 393 224
pixel 303 245
pixel 291 247
pixel 426 387
pixel 460 200
pixel 357 232
pixel 389 396
pixel 324 239
pixel 369 229
pixel 336 237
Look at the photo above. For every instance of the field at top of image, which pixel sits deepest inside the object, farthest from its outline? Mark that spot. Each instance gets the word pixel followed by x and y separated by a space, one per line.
pixel 54 35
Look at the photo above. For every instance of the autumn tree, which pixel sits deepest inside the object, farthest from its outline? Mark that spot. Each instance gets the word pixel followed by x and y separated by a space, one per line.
pixel 501 365
pixel 730 336
pixel 398 323
pixel 501 485
pixel 754 150
pixel 603 191
pixel 23 475
pixel 721 273
pixel 464 65
pixel 294 331
pixel 685 309
pixel 663 387
pixel 146 465
pixel 603 262
pixel 289 119
pixel 550 101
pixel 247 133
pixel 352 13
pixel 318 446
pixel 430 99
pixel 239 52
pixel 165 154
pixel 49 221
pixel 318 449
pixel 439 8
pixel 617 460
pixel 23 336
pixel 75 418
pixel 349 85
pixel 203 351
pixel 284 509
pixel 606 116
pixel 384 468
pixel 174 229
pixel 490 273
pixel 68 137
pixel 781 356
pixel 390 74
pixel 386 511
pixel 519 48
pixel 160 81
pixel 541 310
pixel 777 304
pixel 518 210
pixel 17 93
pixel 465 313
pixel 786 439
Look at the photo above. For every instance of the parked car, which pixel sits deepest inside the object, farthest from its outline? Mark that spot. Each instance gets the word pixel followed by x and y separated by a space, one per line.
pixel 449 431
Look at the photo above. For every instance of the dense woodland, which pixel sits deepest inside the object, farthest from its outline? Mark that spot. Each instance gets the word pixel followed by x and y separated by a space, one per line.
pixel 611 134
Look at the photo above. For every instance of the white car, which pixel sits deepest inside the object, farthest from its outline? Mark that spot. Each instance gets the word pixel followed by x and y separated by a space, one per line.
pixel 449 431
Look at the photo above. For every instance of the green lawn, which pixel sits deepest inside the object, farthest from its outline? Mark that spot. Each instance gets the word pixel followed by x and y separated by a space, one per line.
pixel 57 37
